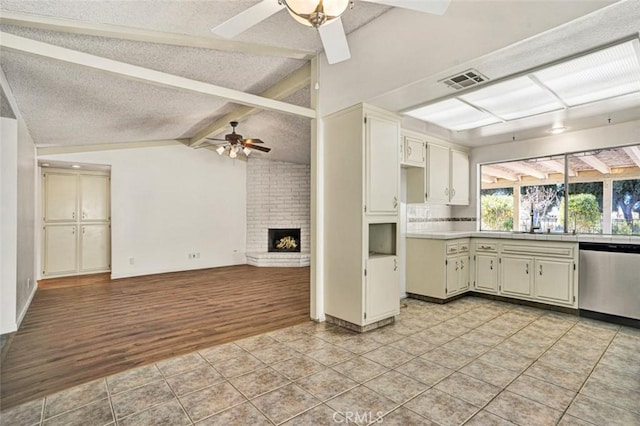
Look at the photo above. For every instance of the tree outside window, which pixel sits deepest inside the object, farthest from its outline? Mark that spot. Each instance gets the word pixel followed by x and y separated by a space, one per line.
pixel 625 216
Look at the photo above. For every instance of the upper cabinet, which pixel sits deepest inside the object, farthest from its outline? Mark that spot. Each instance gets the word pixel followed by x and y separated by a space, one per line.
pixel 61 196
pixel 382 150
pixel 413 151
pixel 447 175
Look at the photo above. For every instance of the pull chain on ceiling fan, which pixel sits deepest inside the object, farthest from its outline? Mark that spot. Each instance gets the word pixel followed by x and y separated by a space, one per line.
pixel 233 143
pixel 321 14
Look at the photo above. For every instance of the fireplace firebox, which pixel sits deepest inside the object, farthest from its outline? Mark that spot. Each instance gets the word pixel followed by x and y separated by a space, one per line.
pixel 284 240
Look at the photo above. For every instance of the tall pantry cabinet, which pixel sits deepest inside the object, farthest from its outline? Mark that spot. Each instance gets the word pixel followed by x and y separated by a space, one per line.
pixel 361 174
pixel 76 222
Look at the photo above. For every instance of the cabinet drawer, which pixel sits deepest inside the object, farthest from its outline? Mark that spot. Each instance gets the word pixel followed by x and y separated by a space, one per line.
pixel 452 248
pixel 487 247
pixel 463 247
pixel 537 250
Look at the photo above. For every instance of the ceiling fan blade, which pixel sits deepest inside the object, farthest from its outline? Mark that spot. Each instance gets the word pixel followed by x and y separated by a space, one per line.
pixel 334 41
pixel 216 139
pixel 257 147
pixel 252 141
pixel 437 7
pixel 247 19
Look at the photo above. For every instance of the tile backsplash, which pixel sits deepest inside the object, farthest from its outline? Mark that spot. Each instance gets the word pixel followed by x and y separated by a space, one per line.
pixel 434 217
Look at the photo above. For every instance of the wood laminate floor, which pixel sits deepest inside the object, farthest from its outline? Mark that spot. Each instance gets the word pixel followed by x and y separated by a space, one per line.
pixel 75 334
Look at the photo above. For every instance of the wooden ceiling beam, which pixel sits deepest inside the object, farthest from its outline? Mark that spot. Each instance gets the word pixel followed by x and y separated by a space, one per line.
pixel 134 72
pixel 137 34
pixel 285 87
pixel 596 163
pixel 557 166
pixel 634 153
pixel 492 171
pixel 488 179
pixel 523 169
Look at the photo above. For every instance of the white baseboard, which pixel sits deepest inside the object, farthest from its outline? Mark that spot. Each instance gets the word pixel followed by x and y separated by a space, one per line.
pixel 26 306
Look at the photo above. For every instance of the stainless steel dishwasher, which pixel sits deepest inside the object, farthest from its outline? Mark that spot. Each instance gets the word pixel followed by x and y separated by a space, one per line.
pixel 609 280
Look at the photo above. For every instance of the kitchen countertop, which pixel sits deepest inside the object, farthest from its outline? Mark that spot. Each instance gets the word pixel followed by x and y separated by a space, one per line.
pixel 449 235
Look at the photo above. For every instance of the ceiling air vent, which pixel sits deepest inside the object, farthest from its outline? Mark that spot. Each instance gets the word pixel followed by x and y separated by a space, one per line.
pixel 466 79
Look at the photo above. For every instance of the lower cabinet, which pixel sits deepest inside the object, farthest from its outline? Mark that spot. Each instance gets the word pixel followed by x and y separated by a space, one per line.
pixel 381 288
pixel 516 275
pixel 60 249
pixel 94 247
pixel 553 280
pixel 457 273
pixel 486 272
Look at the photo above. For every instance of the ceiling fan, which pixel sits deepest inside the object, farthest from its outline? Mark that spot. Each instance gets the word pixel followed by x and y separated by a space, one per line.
pixel 321 14
pixel 234 143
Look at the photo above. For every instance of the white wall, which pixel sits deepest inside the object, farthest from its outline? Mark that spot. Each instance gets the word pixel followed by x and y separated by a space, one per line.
pixel 8 223
pixel 278 196
pixel 599 137
pixel 169 201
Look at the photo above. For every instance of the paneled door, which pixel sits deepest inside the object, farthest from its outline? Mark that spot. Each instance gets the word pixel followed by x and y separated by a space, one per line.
pixel 61 197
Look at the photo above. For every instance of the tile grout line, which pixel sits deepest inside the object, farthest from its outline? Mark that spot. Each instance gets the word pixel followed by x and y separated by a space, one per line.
pixel 171 387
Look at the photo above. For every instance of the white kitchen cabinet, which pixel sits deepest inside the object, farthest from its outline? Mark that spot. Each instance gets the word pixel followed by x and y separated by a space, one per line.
pixel 437 269
pixel 553 280
pixel 362 179
pixel 60 255
pixel 413 151
pixel 447 175
pixel 486 266
pixel 516 275
pixel 459 182
pixel 76 222
pixel 382 136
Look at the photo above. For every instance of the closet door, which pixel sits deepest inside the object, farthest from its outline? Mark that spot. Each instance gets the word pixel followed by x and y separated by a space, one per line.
pixel 61 194
pixel 94 198
pixel 60 250
pixel 94 247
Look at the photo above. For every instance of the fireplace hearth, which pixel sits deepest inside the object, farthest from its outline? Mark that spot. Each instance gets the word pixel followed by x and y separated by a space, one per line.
pixel 284 240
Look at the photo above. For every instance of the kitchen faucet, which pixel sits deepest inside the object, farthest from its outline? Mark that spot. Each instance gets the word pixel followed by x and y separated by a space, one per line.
pixel 532 228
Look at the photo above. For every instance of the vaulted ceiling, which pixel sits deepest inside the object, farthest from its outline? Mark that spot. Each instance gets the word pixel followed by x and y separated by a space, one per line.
pixel 66 104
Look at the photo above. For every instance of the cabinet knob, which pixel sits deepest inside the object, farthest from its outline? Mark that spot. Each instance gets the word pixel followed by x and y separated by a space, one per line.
pixel 540 269
pixel 73 215
pixel 491 265
pixel 457 267
pixel 395 264
pixel 409 151
pixel 446 191
pixel 453 192
pixel 526 269
pixel 395 202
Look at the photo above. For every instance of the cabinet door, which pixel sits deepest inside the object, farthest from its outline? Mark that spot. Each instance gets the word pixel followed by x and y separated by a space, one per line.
pixel 487 273
pixel 459 190
pixel 414 152
pixel 60 197
pixel 60 255
pixel 516 275
pixel 94 197
pixel 437 174
pixel 463 273
pixel 382 288
pixel 453 266
pixel 95 251
pixel 383 165
pixel 553 280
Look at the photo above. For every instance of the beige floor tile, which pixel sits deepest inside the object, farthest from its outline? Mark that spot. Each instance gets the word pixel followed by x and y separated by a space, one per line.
pixel 295 368
pixel 405 417
pixel 485 418
pixel 424 371
pixel 388 356
pixel 510 361
pixel 274 354
pixel 326 384
pixel 330 355
pixel 385 335
pixel 556 376
pixel 259 382
pixel 245 363
pixel 256 342
pixel 412 346
pixel 442 408
pixel 322 415
pixel 523 411
pixel 287 334
pixel 361 403
pixel 585 351
pixel 335 335
pixel 169 413
pixel 307 344
pixel 568 420
pixel 542 392
pixel 407 327
pixel 181 364
pixel 221 353
pixel 285 402
pixel 211 400
pixel 489 373
pixel 75 397
pixel 466 347
pixel 28 413
pixel 483 337
pixel 601 413
pixel 242 414
pixel 194 380
pixel 451 327
pixel 133 378
pixel 138 399
pixel 467 388
pixel 447 358
pixel 524 349
pixel 97 413
pixel 359 344
pixel 434 338
pixel 360 369
pixel 567 361
pixel 608 374
pixel 395 386
pixel 612 394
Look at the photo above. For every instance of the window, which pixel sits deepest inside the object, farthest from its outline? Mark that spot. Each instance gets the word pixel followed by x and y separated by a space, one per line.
pixel 603 190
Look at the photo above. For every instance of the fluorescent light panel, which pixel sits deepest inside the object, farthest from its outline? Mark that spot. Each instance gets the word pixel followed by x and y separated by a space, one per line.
pixel 600 75
pixel 513 99
pixel 453 114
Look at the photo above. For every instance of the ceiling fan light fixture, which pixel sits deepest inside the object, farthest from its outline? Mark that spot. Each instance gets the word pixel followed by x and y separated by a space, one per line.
pixel 314 13
pixel 220 150
pixel 232 153
pixel 246 151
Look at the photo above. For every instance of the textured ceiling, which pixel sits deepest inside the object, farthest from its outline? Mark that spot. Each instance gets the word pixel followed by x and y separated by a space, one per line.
pixel 5 106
